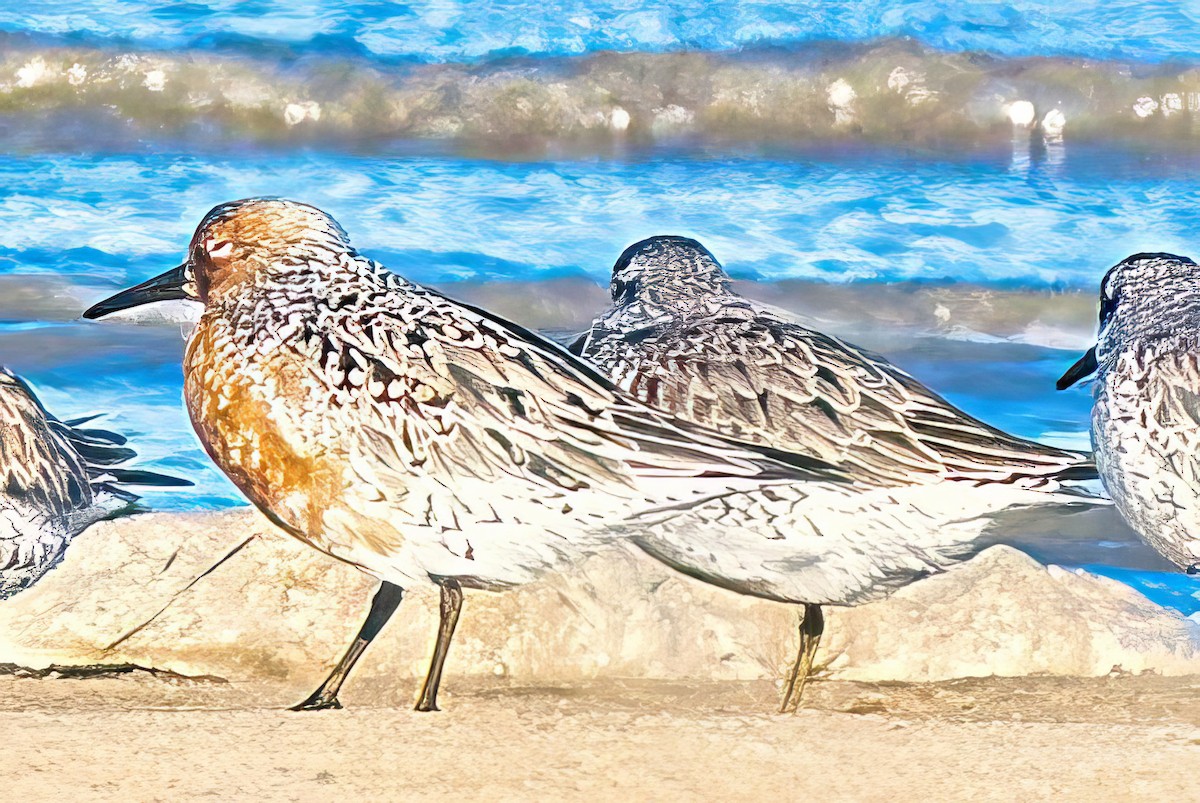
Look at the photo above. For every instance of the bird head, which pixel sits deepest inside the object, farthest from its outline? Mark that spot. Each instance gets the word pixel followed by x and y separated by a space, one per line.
pixel 667 271
pixel 1144 297
pixel 236 243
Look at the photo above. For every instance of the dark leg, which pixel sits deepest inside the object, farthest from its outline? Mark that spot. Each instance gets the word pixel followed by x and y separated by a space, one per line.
pixel 452 600
pixel 811 628
pixel 386 600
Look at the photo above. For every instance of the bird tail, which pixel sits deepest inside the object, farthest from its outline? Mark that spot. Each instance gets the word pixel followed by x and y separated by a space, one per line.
pixel 103 453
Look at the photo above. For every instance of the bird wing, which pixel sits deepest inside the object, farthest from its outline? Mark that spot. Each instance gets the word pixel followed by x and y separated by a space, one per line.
pixel 448 382
pixel 746 371
pixel 449 418
pixel 39 468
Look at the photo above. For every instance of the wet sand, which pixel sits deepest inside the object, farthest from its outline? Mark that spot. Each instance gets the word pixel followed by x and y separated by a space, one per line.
pixel 147 738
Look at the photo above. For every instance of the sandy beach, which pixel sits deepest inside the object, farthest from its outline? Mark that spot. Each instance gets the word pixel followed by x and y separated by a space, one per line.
pixel 144 738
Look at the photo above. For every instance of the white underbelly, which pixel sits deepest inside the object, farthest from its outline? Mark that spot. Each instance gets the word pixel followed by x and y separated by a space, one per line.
pixel 835 545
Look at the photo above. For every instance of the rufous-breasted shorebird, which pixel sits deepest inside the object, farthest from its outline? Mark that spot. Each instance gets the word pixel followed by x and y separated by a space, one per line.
pixel 424 440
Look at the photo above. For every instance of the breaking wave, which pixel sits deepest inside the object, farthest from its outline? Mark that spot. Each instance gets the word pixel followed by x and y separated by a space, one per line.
pixel 888 91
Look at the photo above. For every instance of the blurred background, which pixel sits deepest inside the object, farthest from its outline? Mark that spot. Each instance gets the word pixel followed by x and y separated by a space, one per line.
pixel 944 183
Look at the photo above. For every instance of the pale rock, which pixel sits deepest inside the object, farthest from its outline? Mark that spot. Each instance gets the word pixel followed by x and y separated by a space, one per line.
pixel 277 610
pixel 1003 613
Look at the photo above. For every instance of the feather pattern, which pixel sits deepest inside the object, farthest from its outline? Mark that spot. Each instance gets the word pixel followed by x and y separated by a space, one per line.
pixel 57 480
pixel 417 437
pixel 423 439
pixel 680 339
pixel 1146 411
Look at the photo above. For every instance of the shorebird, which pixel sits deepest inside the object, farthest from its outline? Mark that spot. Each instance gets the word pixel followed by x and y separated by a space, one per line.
pixel 1146 411
pixel 424 440
pixel 58 478
pixel 928 477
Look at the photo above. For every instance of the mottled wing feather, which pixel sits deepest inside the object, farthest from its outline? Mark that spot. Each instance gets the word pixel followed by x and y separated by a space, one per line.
pixel 749 372
pixel 458 386
pixel 452 420
pixel 39 467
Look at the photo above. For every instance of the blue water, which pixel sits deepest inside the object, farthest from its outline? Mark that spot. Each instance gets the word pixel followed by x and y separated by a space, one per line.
pixel 106 177
pixel 451 31
pixel 864 216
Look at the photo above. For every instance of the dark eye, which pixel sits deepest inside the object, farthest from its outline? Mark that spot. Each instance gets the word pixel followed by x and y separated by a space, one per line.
pixel 626 289
pixel 1108 305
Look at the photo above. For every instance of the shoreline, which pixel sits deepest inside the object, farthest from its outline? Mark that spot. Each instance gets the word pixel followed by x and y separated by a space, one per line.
pixel 1048 316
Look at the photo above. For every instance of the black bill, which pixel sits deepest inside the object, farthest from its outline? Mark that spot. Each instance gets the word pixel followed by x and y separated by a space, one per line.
pixel 167 287
pixel 1086 366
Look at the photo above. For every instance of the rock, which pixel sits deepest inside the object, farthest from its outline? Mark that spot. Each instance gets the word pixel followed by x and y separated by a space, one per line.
pixel 279 611
pixel 1003 613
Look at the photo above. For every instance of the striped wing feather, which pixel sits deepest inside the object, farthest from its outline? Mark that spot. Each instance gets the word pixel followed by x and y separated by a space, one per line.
pixel 749 372
pixel 39 466
pixel 486 398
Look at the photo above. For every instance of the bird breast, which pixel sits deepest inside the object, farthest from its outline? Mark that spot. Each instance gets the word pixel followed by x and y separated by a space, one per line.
pixel 257 414
pixel 1144 426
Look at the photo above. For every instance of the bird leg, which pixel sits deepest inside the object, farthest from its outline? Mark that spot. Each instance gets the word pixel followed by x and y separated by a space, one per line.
pixel 812 625
pixel 451 607
pixel 386 600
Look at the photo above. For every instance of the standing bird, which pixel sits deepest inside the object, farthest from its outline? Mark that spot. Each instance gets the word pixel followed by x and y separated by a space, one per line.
pixel 423 440
pixel 1146 413
pixel 928 476
pixel 58 479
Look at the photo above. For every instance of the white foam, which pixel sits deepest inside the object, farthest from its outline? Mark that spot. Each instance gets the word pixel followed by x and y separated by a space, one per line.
pixel 1053 125
pixel 1145 106
pixel 296 113
pixel 618 119
pixel 155 81
pixel 672 117
pixel 33 72
pixel 841 97
pixel 1021 113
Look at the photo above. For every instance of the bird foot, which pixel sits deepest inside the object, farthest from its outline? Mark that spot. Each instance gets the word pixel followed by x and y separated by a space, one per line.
pixel 427 705
pixel 318 702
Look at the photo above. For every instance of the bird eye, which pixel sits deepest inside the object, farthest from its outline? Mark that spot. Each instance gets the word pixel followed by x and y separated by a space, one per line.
pixel 218 249
pixel 1108 304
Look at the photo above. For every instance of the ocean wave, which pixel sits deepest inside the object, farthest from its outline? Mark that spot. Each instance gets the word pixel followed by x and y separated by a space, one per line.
pixel 893 92
pixel 456 31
